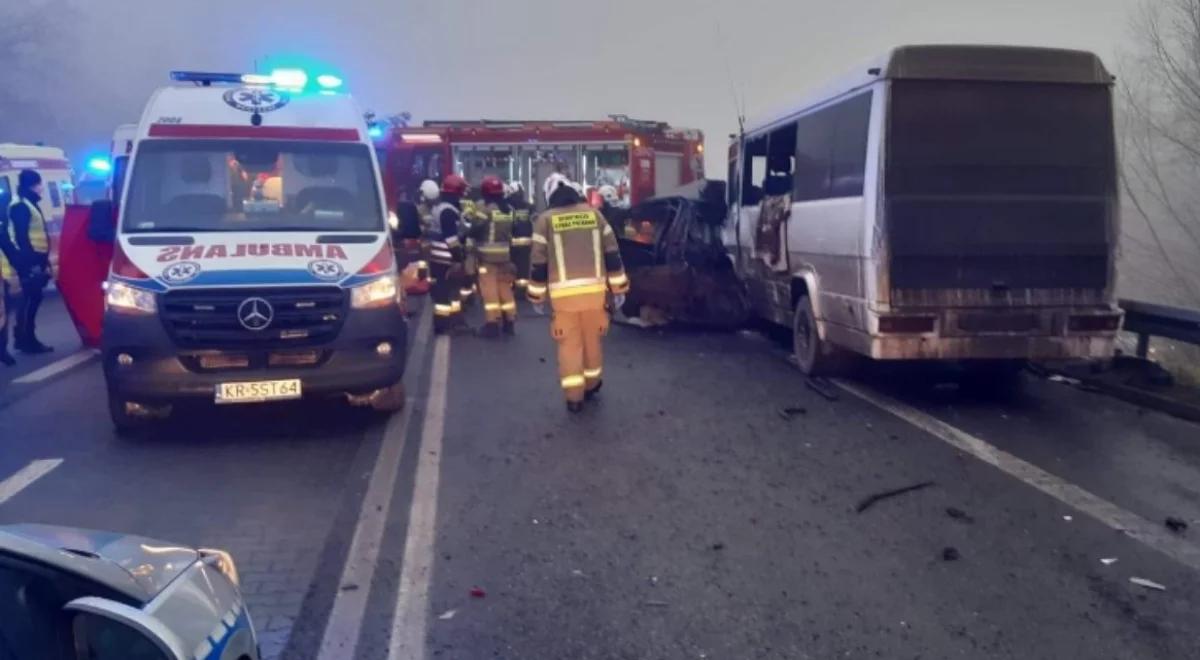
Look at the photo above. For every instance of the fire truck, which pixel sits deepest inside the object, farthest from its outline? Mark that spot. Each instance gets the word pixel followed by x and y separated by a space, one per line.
pixel 639 158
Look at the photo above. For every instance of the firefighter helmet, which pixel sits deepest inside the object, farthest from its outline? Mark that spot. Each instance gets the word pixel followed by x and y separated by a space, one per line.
pixel 429 190
pixel 553 182
pixel 491 186
pixel 609 194
pixel 454 184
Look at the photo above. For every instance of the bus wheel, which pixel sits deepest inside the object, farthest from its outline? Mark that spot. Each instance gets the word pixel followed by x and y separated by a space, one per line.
pixel 814 356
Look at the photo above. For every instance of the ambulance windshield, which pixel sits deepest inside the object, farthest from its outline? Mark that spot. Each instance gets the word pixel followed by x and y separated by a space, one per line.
pixel 251 185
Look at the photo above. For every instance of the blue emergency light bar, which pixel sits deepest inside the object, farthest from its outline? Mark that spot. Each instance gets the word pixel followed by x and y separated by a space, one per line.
pixel 287 79
pixel 99 165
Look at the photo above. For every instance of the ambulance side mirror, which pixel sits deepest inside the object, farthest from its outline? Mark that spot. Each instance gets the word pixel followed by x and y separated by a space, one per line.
pixel 102 221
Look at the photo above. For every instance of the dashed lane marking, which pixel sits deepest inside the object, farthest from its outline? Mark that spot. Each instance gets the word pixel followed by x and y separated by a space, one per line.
pixel 344 625
pixel 54 368
pixel 1060 489
pixel 26 476
pixel 407 640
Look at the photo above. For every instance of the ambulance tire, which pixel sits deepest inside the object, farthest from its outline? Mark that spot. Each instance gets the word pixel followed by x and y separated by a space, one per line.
pixel 390 399
pixel 815 356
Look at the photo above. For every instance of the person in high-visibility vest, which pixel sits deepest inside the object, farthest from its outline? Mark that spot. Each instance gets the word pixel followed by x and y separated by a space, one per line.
pixel 28 242
pixel 522 240
pixel 491 237
pixel 446 257
pixel 576 263
pixel 8 253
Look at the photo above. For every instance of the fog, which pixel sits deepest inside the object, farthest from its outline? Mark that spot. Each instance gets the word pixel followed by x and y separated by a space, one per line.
pixel 93 64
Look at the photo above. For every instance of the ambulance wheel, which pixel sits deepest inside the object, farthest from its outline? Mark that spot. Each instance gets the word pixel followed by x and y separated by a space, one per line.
pixel 814 356
pixel 390 399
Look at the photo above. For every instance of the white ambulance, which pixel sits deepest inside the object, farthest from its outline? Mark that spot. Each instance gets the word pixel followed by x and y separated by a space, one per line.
pixel 252 260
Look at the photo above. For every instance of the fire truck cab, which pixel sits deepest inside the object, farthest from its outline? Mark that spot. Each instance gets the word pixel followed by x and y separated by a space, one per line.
pixel 639 158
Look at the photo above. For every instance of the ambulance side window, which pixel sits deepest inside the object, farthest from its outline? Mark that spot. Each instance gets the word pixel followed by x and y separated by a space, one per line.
pixel 55 196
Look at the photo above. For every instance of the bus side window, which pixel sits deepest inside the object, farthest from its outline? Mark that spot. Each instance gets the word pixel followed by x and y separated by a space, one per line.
pixel 754 168
pixel 781 156
pixel 853 118
pixel 814 155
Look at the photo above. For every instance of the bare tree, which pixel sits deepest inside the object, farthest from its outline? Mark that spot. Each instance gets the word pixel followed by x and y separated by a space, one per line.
pixel 1160 133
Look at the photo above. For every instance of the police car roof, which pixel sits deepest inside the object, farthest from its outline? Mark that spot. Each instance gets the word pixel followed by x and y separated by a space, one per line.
pixel 178 111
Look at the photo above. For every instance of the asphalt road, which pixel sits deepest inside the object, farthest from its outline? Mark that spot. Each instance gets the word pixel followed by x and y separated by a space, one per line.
pixel 681 516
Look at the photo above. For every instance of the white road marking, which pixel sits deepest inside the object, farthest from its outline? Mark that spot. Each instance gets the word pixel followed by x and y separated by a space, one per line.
pixel 349 605
pixel 412 600
pixel 26 476
pixel 55 368
pixel 1064 491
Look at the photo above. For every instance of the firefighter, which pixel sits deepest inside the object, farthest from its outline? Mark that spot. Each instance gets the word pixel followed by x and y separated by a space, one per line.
pixel 28 243
pixel 576 262
pixel 610 206
pixel 428 199
pixel 446 257
pixel 6 255
pixel 468 214
pixel 491 236
pixel 522 232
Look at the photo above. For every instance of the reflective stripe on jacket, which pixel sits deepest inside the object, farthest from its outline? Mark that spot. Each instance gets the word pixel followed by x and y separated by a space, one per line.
pixel 575 257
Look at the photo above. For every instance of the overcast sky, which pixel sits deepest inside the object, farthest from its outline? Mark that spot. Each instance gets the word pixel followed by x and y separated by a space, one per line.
pixel 655 59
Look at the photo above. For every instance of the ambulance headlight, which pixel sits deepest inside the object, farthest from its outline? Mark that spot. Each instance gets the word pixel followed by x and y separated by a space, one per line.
pixel 125 299
pixel 379 292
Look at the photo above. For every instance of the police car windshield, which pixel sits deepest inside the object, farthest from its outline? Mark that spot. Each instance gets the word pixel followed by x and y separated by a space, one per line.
pixel 251 185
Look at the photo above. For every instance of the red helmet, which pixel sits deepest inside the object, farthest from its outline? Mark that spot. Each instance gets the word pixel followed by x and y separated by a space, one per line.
pixel 454 184
pixel 492 186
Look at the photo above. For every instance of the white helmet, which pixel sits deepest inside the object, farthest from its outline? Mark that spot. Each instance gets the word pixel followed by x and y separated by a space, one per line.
pixel 515 188
pixel 429 190
pixel 553 182
pixel 508 190
pixel 609 194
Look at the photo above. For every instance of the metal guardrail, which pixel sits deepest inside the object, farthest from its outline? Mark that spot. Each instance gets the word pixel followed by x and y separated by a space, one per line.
pixel 1148 320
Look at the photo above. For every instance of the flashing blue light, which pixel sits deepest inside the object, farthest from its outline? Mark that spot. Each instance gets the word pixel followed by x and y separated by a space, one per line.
pixel 99 165
pixel 289 78
pixel 375 131
pixel 329 81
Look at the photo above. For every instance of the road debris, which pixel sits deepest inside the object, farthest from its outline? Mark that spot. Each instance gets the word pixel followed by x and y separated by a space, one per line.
pixel 350 587
pixel 656 603
pixel 578 573
pixel 823 387
pixel 950 554
pixel 791 411
pixel 477 592
pixel 959 514
pixel 447 615
pixel 1108 561
pixel 1143 582
pixel 870 501
pixel 653 580
pixel 1068 518
pixel 1065 380
pixel 718 546
pixel 1177 525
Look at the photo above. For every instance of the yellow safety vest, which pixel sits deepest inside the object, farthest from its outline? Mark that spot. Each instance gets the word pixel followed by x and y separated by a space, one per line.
pixel 39 239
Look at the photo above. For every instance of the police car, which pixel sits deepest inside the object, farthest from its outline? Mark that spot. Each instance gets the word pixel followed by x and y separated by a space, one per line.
pixel 252 260
pixel 69 594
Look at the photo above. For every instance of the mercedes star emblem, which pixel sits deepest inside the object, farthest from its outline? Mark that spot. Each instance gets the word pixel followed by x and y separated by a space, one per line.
pixel 255 314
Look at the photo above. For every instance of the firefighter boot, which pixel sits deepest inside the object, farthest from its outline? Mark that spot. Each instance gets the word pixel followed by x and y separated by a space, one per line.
pixel 510 328
pixel 490 330
pixel 574 406
pixel 592 391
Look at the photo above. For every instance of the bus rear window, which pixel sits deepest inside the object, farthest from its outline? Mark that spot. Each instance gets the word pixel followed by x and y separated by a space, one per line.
pixel 986 138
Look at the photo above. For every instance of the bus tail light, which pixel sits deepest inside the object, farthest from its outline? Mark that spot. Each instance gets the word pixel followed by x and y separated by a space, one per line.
pixel 906 324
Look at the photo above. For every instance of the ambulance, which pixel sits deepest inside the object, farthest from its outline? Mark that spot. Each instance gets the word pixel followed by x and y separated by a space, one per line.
pixel 251 259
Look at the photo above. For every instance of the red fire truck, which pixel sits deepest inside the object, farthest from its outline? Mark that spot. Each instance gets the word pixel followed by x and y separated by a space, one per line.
pixel 639 158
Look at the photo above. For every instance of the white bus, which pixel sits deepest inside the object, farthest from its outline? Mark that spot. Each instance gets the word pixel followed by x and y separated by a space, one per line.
pixel 942 202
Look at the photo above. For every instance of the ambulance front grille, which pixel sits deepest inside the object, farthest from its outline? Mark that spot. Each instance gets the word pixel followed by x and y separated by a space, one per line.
pixel 209 318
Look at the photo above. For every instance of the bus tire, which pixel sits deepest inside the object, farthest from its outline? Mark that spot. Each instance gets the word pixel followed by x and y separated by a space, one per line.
pixel 814 356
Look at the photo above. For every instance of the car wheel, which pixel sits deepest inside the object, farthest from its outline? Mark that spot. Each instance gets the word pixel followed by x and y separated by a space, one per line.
pixel 390 399
pixel 814 356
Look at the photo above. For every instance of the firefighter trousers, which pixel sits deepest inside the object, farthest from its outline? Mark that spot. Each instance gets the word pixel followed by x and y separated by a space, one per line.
pixel 580 336
pixel 443 292
pixel 496 291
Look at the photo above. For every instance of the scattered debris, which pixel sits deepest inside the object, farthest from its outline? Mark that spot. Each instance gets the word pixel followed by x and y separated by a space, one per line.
pixel 542 360
pixel 718 546
pixel 1108 561
pixel 653 580
pixel 1065 380
pixel 350 587
pixel 1068 518
pixel 535 521
pixel 656 603
pixel 1177 525
pixel 1143 582
pixel 870 501
pixel 823 387
pixel 959 514
pixel 792 411
pixel 950 554
pixel 447 615
pixel 578 573
pixel 476 592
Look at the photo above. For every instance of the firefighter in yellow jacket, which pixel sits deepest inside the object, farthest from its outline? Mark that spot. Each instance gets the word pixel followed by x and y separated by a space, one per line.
pixel 491 236
pixel 575 261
